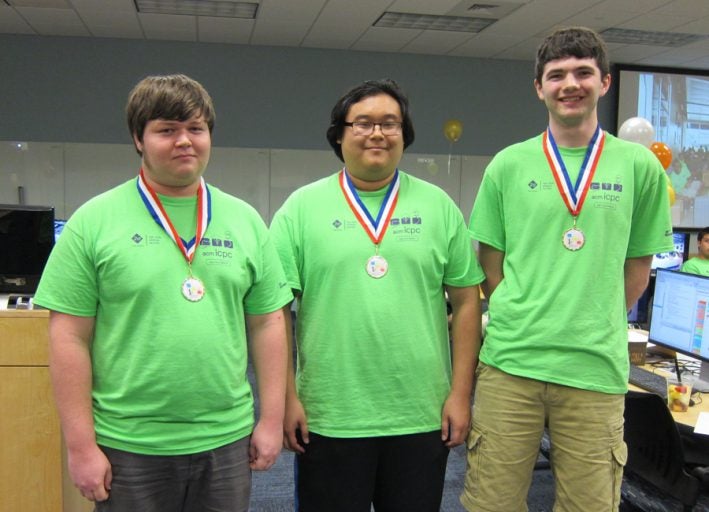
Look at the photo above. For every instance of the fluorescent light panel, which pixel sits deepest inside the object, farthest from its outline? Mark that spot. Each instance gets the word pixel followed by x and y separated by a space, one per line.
pixel 215 8
pixel 627 36
pixel 432 22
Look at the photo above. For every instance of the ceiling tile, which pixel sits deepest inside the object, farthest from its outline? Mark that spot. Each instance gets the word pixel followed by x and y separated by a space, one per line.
pixel 12 23
pixel 122 24
pixel 328 28
pixel 378 39
pixel 224 30
pixel 436 42
pixel 51 22
pixel 169 26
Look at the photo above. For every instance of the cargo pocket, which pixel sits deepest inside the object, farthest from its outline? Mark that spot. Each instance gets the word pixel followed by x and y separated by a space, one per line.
pixel 474 464
pixel 620 457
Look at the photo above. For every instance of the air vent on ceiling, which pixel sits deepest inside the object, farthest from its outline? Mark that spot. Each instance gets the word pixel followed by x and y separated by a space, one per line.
pixel 432 22
pixel 627 36
pixel 215 8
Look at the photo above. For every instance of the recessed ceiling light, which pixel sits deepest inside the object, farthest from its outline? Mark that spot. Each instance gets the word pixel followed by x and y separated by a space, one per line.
pixel 432 22
pixel 621 35
pixel 215 8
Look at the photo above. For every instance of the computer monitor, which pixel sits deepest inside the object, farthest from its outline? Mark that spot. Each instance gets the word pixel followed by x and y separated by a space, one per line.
pixel 639 313
pixel 26 239
pixel 673 260
pixel 680 313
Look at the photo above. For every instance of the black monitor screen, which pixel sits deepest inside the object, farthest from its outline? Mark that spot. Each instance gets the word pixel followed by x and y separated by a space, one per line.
pixel 26 239
pixel 673 260
pixel 680 313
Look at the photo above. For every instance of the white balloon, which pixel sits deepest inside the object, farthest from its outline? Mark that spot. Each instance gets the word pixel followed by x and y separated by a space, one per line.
pixel 637 129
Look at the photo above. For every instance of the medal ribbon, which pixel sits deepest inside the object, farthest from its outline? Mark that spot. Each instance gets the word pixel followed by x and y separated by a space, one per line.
pixel 157 212
pixel 375 228
pixel 570 194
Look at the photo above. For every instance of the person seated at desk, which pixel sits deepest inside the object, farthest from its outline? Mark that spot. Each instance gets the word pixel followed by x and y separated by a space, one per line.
pixel 699 264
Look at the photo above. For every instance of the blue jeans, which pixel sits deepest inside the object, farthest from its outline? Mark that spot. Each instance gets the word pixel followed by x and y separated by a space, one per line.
pixel 217 480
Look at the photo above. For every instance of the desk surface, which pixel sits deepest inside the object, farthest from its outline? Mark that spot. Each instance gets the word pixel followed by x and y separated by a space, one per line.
pixel 689 417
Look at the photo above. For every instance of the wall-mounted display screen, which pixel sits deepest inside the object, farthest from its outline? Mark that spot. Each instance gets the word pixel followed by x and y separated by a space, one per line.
pixel 676 103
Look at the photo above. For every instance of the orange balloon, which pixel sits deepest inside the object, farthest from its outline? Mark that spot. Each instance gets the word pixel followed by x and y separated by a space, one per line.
pixel 453 129
pixel 663 153
pixel 671 194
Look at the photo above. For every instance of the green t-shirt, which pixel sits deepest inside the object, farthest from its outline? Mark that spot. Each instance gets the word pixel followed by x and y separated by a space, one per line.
pixel 169 375
pixel 373 354
pixel 696 266
pixel 558 315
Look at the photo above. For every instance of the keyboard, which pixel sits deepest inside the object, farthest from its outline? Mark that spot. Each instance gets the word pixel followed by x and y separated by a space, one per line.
pixel 648 380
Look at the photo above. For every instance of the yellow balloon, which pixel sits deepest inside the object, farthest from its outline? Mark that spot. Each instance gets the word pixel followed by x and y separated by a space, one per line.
pixel 671 194
pixel 453 129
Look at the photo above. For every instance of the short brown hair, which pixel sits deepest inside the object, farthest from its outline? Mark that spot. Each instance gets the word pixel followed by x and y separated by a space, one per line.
pixel 579 42
pixel 171 97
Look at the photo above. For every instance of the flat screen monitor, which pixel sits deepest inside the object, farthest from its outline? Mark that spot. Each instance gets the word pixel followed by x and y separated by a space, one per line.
pixel 676 103
pixel 638 314
pixel 26 239
pixel 680 315
pixel 673 260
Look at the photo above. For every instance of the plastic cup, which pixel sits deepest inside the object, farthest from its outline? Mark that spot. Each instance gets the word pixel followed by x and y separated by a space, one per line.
pixel 678 394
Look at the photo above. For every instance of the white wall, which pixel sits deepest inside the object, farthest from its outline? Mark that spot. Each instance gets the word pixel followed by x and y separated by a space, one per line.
pixel 65 175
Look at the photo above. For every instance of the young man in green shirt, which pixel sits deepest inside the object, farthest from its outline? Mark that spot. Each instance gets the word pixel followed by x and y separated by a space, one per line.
pixel 152 287
pixel 700 263
pixel 369 252
pixel 567 222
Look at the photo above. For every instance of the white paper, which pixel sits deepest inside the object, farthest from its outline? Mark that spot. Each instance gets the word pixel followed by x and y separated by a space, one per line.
pixel 702 426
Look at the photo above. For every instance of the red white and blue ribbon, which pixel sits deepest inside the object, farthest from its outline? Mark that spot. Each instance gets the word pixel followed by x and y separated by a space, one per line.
pixel 375 228
pixel 574 195
pixel 155 208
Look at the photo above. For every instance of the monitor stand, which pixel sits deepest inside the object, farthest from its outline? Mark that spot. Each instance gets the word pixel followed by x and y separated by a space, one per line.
pixel 701 384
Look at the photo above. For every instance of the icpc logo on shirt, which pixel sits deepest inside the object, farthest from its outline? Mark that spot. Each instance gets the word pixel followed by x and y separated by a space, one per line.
pixel 407 227
pixel 604 194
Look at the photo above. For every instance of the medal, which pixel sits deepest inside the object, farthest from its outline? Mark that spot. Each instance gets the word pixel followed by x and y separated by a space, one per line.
pixel 573 195
pixel 573 239
pixel 377 266
pixel 192 288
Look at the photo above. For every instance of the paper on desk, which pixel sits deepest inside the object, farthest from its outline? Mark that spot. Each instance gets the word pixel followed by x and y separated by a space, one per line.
pixel 702 426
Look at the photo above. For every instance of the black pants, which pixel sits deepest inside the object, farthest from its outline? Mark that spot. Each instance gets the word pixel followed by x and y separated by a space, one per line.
pixel 395 473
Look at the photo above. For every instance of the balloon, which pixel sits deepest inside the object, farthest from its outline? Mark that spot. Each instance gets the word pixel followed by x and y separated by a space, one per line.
pixel 671 194
pixel 637 129
pixel 663 153
pixel 453 129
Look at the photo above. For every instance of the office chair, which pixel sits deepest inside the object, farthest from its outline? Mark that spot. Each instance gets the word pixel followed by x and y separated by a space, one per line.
pixel 655 455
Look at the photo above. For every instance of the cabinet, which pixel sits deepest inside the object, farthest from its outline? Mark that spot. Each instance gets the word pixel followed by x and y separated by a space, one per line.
pixel 32 475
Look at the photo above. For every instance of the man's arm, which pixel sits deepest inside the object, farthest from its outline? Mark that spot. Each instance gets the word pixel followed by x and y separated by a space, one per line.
pixel 70 369
pixel 637 277
pixel 491 261
pixel 295 421
pixel 268 346
pixel 465 333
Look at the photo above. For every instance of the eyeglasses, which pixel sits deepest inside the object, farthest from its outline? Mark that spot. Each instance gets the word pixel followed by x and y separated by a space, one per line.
pixel 367 128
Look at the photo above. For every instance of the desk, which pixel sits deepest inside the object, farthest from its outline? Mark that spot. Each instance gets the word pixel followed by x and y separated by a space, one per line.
pixel 689 417
pixel 32 460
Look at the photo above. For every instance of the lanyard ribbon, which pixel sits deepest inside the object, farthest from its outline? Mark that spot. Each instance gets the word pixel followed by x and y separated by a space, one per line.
pixel 157 212
pixel 570 194
pixel 375 228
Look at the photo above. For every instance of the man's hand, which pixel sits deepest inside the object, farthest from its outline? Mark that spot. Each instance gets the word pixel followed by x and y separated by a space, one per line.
pixel 91 473
pixel 295 421
pixel 455 420
pixel 266 444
